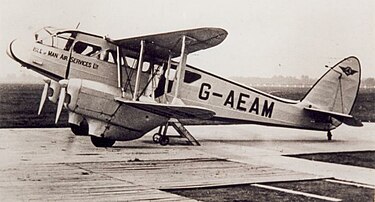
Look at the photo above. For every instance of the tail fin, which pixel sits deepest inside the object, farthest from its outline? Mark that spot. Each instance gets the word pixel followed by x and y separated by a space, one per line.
pixel 336 91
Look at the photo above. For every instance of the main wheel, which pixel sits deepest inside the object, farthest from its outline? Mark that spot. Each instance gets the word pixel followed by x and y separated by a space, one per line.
pixel 164 140
pixel 102 142
pixel 82 129
pixel 156 138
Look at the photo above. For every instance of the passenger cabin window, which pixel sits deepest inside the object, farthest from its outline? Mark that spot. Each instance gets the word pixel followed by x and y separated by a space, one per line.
pixel 112 57
pixel 190 77
pixel 70 41
pixel 172 72
pixel 131 62
pixel 86 49
pixel 146 67
pixel 108 56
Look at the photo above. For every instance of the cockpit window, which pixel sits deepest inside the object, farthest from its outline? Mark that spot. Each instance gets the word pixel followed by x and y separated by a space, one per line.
pixel 44 37
pixel 47 37
pixel 61 41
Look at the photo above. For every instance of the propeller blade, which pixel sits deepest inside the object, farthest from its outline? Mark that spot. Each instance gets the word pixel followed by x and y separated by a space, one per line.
pixel 60 104
pixel 44 97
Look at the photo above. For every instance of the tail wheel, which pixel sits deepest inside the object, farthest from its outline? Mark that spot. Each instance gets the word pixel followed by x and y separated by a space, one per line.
pixel 102 142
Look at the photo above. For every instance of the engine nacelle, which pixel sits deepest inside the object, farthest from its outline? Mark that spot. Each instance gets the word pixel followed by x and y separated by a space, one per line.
pixel 78 124
pixel 106 117
pixel 75 118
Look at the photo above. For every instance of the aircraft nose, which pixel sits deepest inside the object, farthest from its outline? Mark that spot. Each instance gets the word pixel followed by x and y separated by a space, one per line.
pixel 9 50
pixel 19 50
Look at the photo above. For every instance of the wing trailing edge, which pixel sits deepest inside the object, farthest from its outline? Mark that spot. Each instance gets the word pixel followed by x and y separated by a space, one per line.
pixel 170 110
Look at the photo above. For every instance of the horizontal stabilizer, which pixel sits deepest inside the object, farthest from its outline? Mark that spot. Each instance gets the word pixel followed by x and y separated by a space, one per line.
pixel 170 111
pixel 345 118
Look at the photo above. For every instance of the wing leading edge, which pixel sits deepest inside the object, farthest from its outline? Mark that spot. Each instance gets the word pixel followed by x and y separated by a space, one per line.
pixel 165 44
pixel 170 111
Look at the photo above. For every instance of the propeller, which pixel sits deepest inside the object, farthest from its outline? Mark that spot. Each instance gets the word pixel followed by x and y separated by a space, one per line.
pixel 63 83
pixel 47 82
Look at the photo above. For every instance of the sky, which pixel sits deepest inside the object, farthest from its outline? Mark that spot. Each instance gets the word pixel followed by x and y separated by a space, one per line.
pixel 266 37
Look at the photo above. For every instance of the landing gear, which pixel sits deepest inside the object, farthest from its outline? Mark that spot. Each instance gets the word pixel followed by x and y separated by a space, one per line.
pixel 156 138
pixel 102 142
pixel 82 129
pixel 329 135
pixel 164 140
pixel 160 137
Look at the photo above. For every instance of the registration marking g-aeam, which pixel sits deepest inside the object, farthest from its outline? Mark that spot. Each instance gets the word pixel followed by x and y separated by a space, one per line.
pixel 239 101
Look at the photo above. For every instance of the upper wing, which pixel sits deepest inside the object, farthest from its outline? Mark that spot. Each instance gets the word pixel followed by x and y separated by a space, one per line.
pixel 345 118
pixel 165 44
pixel 171 111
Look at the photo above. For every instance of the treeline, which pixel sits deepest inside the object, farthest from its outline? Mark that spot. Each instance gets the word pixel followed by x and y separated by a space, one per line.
pixel 303 81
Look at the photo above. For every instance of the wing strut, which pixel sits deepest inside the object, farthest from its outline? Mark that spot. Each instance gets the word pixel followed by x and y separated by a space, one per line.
pixel 139 69
pixel 119 70
pixel 181 69
pixel 167 78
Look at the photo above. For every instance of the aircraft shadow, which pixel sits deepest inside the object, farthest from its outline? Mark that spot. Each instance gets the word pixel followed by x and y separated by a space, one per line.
pixel 149 144
pixel 171 143
pixel 273 141
pixel 134 147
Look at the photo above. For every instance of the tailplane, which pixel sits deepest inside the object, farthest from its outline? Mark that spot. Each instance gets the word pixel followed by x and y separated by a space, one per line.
pixel 336 91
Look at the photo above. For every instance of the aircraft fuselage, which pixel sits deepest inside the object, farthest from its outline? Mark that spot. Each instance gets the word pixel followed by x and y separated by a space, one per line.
pixel 92 63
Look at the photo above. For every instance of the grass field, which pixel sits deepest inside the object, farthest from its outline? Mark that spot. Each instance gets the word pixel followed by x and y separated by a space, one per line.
pixel 364 108
pixel 19 105
pixel 355 158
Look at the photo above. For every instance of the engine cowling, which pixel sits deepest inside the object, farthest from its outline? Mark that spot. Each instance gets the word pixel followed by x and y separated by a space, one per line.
pixel 95 103
pixel 55 87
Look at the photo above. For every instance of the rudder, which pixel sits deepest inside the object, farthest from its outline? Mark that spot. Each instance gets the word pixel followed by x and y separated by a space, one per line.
pixel 337 89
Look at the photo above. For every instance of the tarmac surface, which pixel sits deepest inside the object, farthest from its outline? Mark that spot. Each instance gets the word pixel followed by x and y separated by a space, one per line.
pixel 54 164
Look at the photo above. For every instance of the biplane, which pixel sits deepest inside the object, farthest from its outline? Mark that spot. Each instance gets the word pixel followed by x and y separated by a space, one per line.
pixel 121 89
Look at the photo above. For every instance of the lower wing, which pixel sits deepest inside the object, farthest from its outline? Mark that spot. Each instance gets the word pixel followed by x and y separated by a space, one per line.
pixel 170 110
